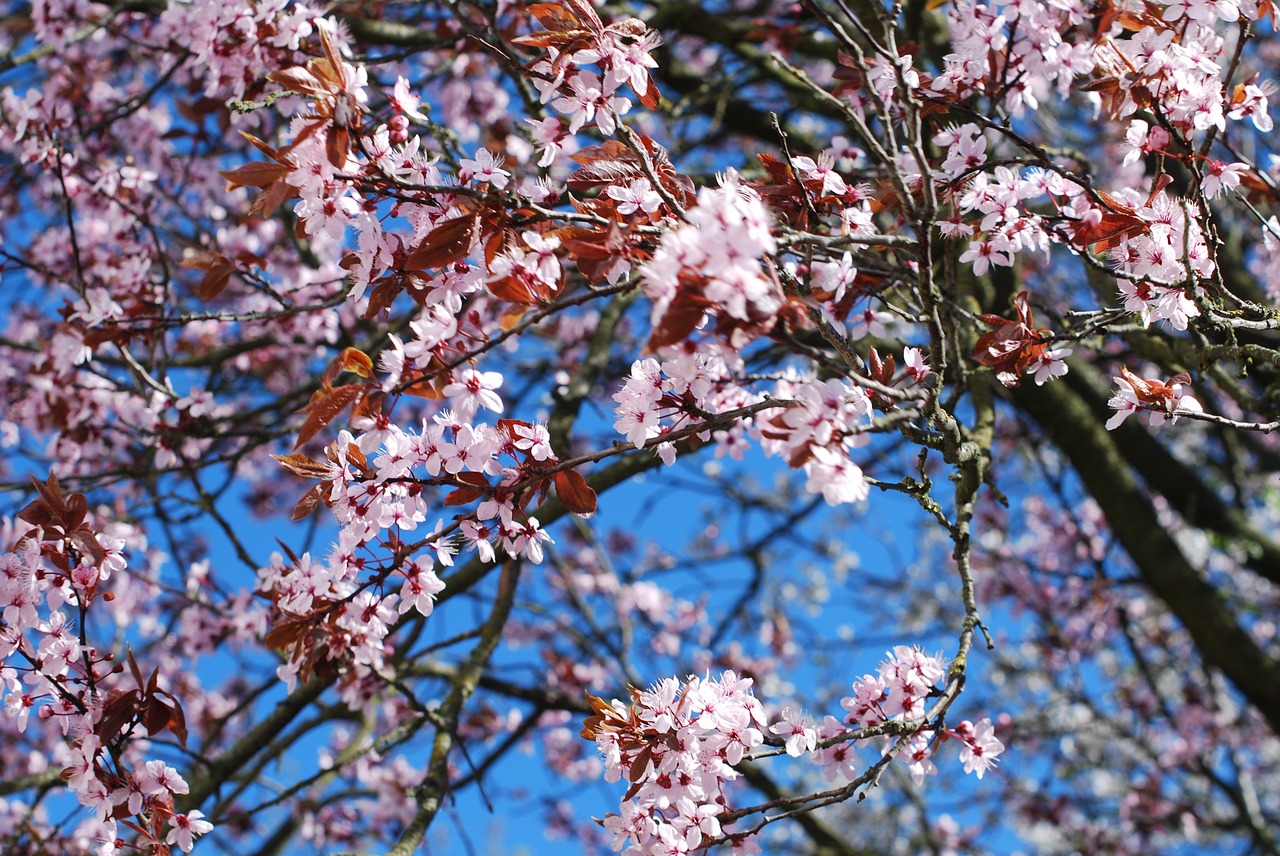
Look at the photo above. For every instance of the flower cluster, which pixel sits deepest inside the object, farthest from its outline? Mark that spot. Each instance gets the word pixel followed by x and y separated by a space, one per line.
pixel 711 264
pixel 825 420
pixel 678 745
pixel 84 707
pixel 620 51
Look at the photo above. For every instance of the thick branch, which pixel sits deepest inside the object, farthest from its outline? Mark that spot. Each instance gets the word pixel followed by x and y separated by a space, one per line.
pixel 1077 429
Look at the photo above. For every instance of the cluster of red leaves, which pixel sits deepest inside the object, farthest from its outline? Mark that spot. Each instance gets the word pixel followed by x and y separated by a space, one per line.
pixel 575 26
pixel 1117 223
pixel 271 177
pixel 789 197
pixel 147 705
pixel 1011 347
pixel 325 80
pixel 219 267
pixel 489 227
pixel 66 537
pixel 309 640
pixel 329 400
pixel 690 305
pixel 301 465
pixel 596 249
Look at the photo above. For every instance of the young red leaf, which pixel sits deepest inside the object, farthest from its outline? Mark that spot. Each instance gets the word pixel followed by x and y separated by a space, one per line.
pixel 682 318
pixel 215 280
pixel 268 150
pixel 133 666
pixel 309 502
pixel 257 174
pixel 299 464
pixel 88 545
pixel 51 493
pixel 447 243
pixel 651 97
pixel 585 12
pixel 286 633
pixel 324 408
pixel 177 719
pixel 548 39
pixel 356 361
pixel 77 510
pixel 575 493
pixel 156 716
pixel 478 487
pixel 298 79
pixel 116 713
pixel 553 16
pixel 266 202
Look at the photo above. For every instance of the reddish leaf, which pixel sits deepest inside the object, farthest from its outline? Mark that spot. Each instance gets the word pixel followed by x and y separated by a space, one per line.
pixel 585 12
pixel 1013 346
pixel 651 97
pixel 356 361
pixel 523 291
pixel 38 513
pixel 268 150
pixel 258 174
pixel 479 486
pixel 608 150
pixel 198 258
pixel 286 633
pixel 778 171
pixel 337 146
pixel 300 464
pixel 133 667
pixel 116 713
pixel 447 243
pixel 51 493
pixel 369 407
pixel 298 79
pixel 601 173
pixel 309 502
pixel 156 716
pixel 549 39
pixel 325 407
pixel 266 202
pixel 381 296
pixel 288 552
pixel 554 16
pixel 681 319
pixel 177 719
pixel 215 280
pixel 574 492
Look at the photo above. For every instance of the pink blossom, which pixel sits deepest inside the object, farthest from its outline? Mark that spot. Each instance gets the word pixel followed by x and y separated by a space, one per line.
pixel 484 168
pixel 799 731
pixel 915 365
pixel 471 390
pixel 1220 177
pixel 639 195
pixel 1051 364
pixel 185 828
pixel 981 746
